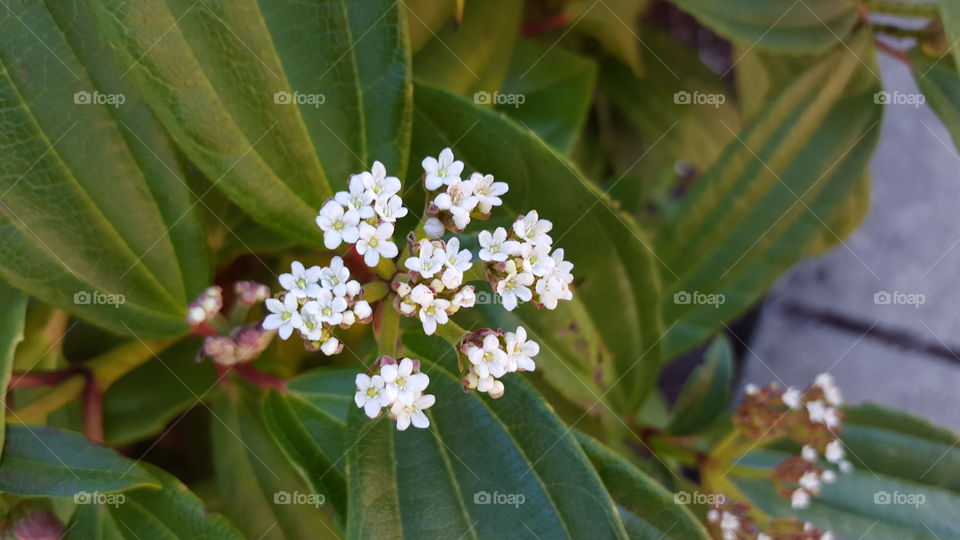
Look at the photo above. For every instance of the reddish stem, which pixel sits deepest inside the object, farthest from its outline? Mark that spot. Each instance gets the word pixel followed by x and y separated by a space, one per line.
pixel 534 28
pixel 93 411
pixel 34 379
pixel 259 378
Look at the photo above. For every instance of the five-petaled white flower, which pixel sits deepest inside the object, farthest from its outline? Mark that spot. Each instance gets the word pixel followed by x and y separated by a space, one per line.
pixel 375 242
pixel 537 259
pixel 520 351
pixel 496 247
pixel 457 261
pixel 402 384
pixel 301 282
pixel 515 288
pixel 371 394
pixel 442 170
pixel 533 229
pixel 390 208
pixel 338 225
pixel 433 313
pixel 487 191
pixel 413 412
pixel 284 316
pixel 336 277
pixel 378 183
pixel 489 359
pixel 428 262
pixel 459 201
pixel 357 198
pixel 327 308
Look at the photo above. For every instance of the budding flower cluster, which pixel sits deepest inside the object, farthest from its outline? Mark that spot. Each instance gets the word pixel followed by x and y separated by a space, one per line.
pixel 494 353
pixel 811 418
pixel 398 387
pixel 732 521
pixel 206 306
pixel 316 301
pixel 521 267
pixel 433 288
pixel 364 215
pixel 456 200
pixel 242 345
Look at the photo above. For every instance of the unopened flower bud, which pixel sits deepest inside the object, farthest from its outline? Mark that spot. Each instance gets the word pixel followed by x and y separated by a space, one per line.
pixel 38 525
pixel 433 227
pixel 250 293
pixel 363 311
pixel 331 346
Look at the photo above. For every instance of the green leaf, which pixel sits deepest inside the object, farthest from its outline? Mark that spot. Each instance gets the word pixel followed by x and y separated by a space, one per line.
pixel 171 512
pixel 950 15
pixel 779 25
pixel 436 482
pixel 556 88
pixel 13 311
pixel 848 215
pixel 43 461
pixel 614 24
pixel 426 18
pixel 254 477
pixel 940 84
pixel 754 214
pixel 308 424
pixel 223 78
pixel 706 393
pixel 176 382
pixel 646 508
pixel 897 458
pixel 121 243
pixel 475 55
pixel 613 264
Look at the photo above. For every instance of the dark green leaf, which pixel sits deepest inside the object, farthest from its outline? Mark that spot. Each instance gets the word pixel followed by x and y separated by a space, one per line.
pixel 950 15
pixel 172 512
pixel 452 479
pixel 706 393
pixel 940 84
pixel 120 243
pixel 614 24
pixel 43 461
pixel 617 286
pixel 646 508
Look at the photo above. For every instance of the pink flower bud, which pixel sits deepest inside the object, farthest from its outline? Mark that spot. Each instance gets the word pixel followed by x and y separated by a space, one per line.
pixel 38 525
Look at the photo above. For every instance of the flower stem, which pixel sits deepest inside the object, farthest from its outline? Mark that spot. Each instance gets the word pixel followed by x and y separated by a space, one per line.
pixel 908 9
pixel 259 378
pixel 452 333
pixel 388 336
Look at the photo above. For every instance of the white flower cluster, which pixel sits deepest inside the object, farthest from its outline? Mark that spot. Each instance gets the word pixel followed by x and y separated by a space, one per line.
pixel 207 305
pixel 521 265
pixel 434 288
pixel 364 215
pixel 493 354
pixel 456 200
pixel 315 302
pixel 734 527
pixel 399 387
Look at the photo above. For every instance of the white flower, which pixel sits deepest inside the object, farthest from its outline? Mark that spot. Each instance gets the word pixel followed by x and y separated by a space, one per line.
pixel 791 397
pixel 353 288
pixel 555 283
pixel 810 481
pixel 488 359
pixel 390 208
pixel 284 316
pixel 331 346
pixel 828 477
pixel 800 499
pixel 362 310
pixel 834 452
pixel 729 524
pixel 537 259
pixel 442 170
pixel 809 453
pixel 434 228
pixel 751 389
pixel 817 411
pixel 335 277
pixel 327 308
pixel 375 242
pixel 358 198
pixel 402 384
pixel 301 282
pixel 378 183
pixel 464 298
pixel 371 395
pixel 845 466
pixel 532 229
pixel 429 261
pixel 515 288
pixel 459 201
pixel 338 225
pixel 487 192
pixel 496 247
pixel 520 352
pixel 413 412
pixel 434 313
pixel 830 390
pixel 831 418
pixel 457 261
